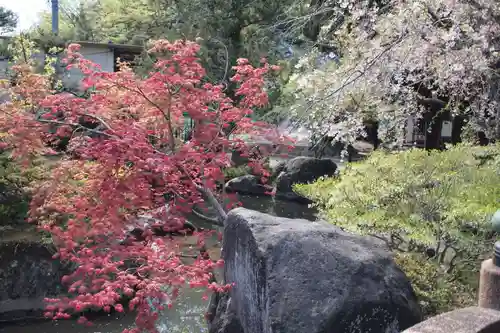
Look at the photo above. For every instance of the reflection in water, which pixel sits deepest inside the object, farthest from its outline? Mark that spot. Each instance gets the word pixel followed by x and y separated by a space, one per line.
pixel 279 208
pixel 187 316
pixel 105 324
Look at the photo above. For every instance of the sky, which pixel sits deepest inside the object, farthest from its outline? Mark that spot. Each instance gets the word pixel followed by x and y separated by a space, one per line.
pixel 26 9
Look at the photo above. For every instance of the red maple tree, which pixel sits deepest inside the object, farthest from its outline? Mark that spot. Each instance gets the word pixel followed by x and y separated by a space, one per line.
pixel 121 159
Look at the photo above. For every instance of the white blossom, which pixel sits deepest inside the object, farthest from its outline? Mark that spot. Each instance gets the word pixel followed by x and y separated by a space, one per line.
pixel 446 46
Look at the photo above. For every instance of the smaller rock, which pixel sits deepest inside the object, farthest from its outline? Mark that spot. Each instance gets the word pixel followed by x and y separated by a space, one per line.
pixel 248 184
pixel 278 169
pixel 284 190
pixel 302 170
pixel 237 159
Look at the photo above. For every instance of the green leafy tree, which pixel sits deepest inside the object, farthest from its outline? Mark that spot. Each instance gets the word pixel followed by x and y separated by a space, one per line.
pixel 8 20
pixel 225 30
pixel 42 32
pixel 229 29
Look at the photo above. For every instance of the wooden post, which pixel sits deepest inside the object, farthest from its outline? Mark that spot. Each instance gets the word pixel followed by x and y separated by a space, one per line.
pixel 489 281
pixel 489 278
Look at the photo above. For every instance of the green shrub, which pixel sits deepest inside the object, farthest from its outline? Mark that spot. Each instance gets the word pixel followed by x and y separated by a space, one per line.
pixel 233 172
pixel 437 291
pixel 436 204
pixel 14 188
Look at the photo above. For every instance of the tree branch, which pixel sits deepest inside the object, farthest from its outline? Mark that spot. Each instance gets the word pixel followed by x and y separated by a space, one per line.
pixel 207 218
pixel 209 196
pixel 78 126
pixel 99 119
pixel 206 193
pixel 212 200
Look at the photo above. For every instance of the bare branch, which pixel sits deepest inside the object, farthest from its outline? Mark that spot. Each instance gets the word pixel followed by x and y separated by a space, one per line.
pixel 78 126
pixel 207 218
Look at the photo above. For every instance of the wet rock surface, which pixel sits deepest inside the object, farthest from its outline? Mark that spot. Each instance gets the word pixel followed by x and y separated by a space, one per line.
pixel 28 274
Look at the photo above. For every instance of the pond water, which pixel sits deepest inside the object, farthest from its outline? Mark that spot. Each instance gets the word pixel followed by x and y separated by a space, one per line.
pixel 187 314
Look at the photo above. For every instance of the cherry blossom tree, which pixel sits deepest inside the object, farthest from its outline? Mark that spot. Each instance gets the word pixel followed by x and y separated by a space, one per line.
pixel 401 58
pixel 122 164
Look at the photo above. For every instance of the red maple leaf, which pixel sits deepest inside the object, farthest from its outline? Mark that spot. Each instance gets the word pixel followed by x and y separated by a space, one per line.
pixel 123 161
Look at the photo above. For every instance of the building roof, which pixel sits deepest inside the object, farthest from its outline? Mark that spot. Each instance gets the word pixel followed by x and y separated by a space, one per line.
pixel 110 45
pixel 113 46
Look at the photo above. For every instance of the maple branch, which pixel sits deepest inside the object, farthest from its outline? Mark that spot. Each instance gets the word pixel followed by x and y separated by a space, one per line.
pixel 204 217
pixel 98 119
pixel 190 256
pixel 212 200
pixel 206 193
pixel 139 91
pixel 168 118
pixel 77 126
pixel 209 196
pixel 167 115
pixel 221 213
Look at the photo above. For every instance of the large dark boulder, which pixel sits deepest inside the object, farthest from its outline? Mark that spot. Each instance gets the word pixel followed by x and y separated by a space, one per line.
pixel 301 170
pixel 309 277
pixel 248 184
